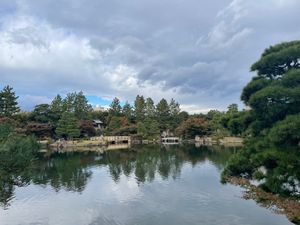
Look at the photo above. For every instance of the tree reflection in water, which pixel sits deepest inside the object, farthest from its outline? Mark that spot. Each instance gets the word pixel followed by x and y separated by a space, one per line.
pixel 71 171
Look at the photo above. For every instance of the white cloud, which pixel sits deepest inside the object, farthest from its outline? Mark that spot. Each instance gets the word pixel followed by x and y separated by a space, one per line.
pixel 197 53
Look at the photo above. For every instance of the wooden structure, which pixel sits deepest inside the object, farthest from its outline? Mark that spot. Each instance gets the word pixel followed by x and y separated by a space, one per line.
pixel 98 124
pixel 117 139
pixel 170 140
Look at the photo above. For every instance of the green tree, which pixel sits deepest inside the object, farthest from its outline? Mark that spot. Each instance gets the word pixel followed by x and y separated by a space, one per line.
pixel 286 132
pixel 8 102
pixel 41 113
pixel 115 107
pixel 139 108
pixel 148 129
pixel 174 108
pixel 127 111
pixel 68 126
pixel 81 106
pixel 277 60
pixel 163 114
pixel 274 98
pixel 191 127
pixel 232 109
pixel 5 131
pixel 149 108
pixel 68 102
pixel 56 108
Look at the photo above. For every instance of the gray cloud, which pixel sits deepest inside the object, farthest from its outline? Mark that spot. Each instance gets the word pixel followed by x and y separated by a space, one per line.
pixel 198 52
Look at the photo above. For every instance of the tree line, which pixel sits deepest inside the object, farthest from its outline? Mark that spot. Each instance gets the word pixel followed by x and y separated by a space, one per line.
pixel 72 117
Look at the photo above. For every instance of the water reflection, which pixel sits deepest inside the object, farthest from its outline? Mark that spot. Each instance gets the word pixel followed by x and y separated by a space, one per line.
pixel 71 171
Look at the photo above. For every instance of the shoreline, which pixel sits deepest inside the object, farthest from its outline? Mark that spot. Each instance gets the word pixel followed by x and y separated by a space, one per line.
pixel 288 206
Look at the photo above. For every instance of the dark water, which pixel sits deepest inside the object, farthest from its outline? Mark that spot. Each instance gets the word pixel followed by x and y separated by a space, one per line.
pixel 144 185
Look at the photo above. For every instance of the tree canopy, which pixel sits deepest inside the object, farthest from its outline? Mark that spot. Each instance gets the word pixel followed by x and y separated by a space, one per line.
pixel 8 102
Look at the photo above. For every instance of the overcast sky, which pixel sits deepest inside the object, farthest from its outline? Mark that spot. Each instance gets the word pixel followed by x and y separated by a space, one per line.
pixel 196 51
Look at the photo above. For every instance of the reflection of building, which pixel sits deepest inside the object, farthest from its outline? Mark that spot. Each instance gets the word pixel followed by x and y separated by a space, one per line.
pixel 98 124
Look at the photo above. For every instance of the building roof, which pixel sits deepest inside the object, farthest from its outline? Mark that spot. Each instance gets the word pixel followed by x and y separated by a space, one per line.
pixel 97 121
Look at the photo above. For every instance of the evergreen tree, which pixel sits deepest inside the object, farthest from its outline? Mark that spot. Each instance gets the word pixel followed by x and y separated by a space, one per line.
pixel 8 102
pixel 150 108
pixel 115 107
pixel 139 108
pixel 148 129
pixel 174 114
pixel 68 102
pixel 68 126
pixel 127 111
pixel 81 106
pixel 56 108
pixel 174 108
pixel 232 109
pixel 41 113
pixel 163 114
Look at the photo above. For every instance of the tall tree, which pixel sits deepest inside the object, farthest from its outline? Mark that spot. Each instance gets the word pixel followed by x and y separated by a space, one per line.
pixel 68 102
pixel 139 108
pixel 274 99
pixel 56 108
pixel 148 129
pixel 68 126
pixel 115 107
pixel 81 106
pixel 8 102
pixel 163 114
pixel 150 108
pixel 174 108
pixel 127 111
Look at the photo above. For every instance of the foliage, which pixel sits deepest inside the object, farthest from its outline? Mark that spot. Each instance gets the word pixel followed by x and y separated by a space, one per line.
pixel 286 132
pixel 8 102
pixel 41 113
pixel 127 111
pixel 87 128
pixel 5 131
pixel 40 129
pixel 163 114
pixel 139 108
pixel 81 106
pixel 68 126
pixel 191 127
pixel 277 60
pixel 17 152
pixel 149 108
pixel 149 129
pixel 115 107
pixel 274 122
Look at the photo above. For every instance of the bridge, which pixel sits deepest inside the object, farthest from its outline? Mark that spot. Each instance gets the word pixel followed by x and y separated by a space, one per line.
pixel 170 140
pixel 112 139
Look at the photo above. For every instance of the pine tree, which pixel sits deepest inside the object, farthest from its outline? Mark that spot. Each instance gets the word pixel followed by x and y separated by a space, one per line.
pixel 81 106
pixel 174 108
pixel 68 126
pixel 56 108
pixel 115 107
pixel 139 108
pixel 150 108
pixel 68 102
pixel 8 102
pixel 163 114
pixel 127 111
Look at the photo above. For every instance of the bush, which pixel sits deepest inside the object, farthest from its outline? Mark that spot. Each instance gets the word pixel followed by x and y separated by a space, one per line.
pixel 16 153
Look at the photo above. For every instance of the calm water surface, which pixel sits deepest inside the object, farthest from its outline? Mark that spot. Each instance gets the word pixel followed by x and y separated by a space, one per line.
pixel 144 185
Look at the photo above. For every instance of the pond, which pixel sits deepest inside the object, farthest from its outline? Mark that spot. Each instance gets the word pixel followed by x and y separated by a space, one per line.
pixel 147 184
